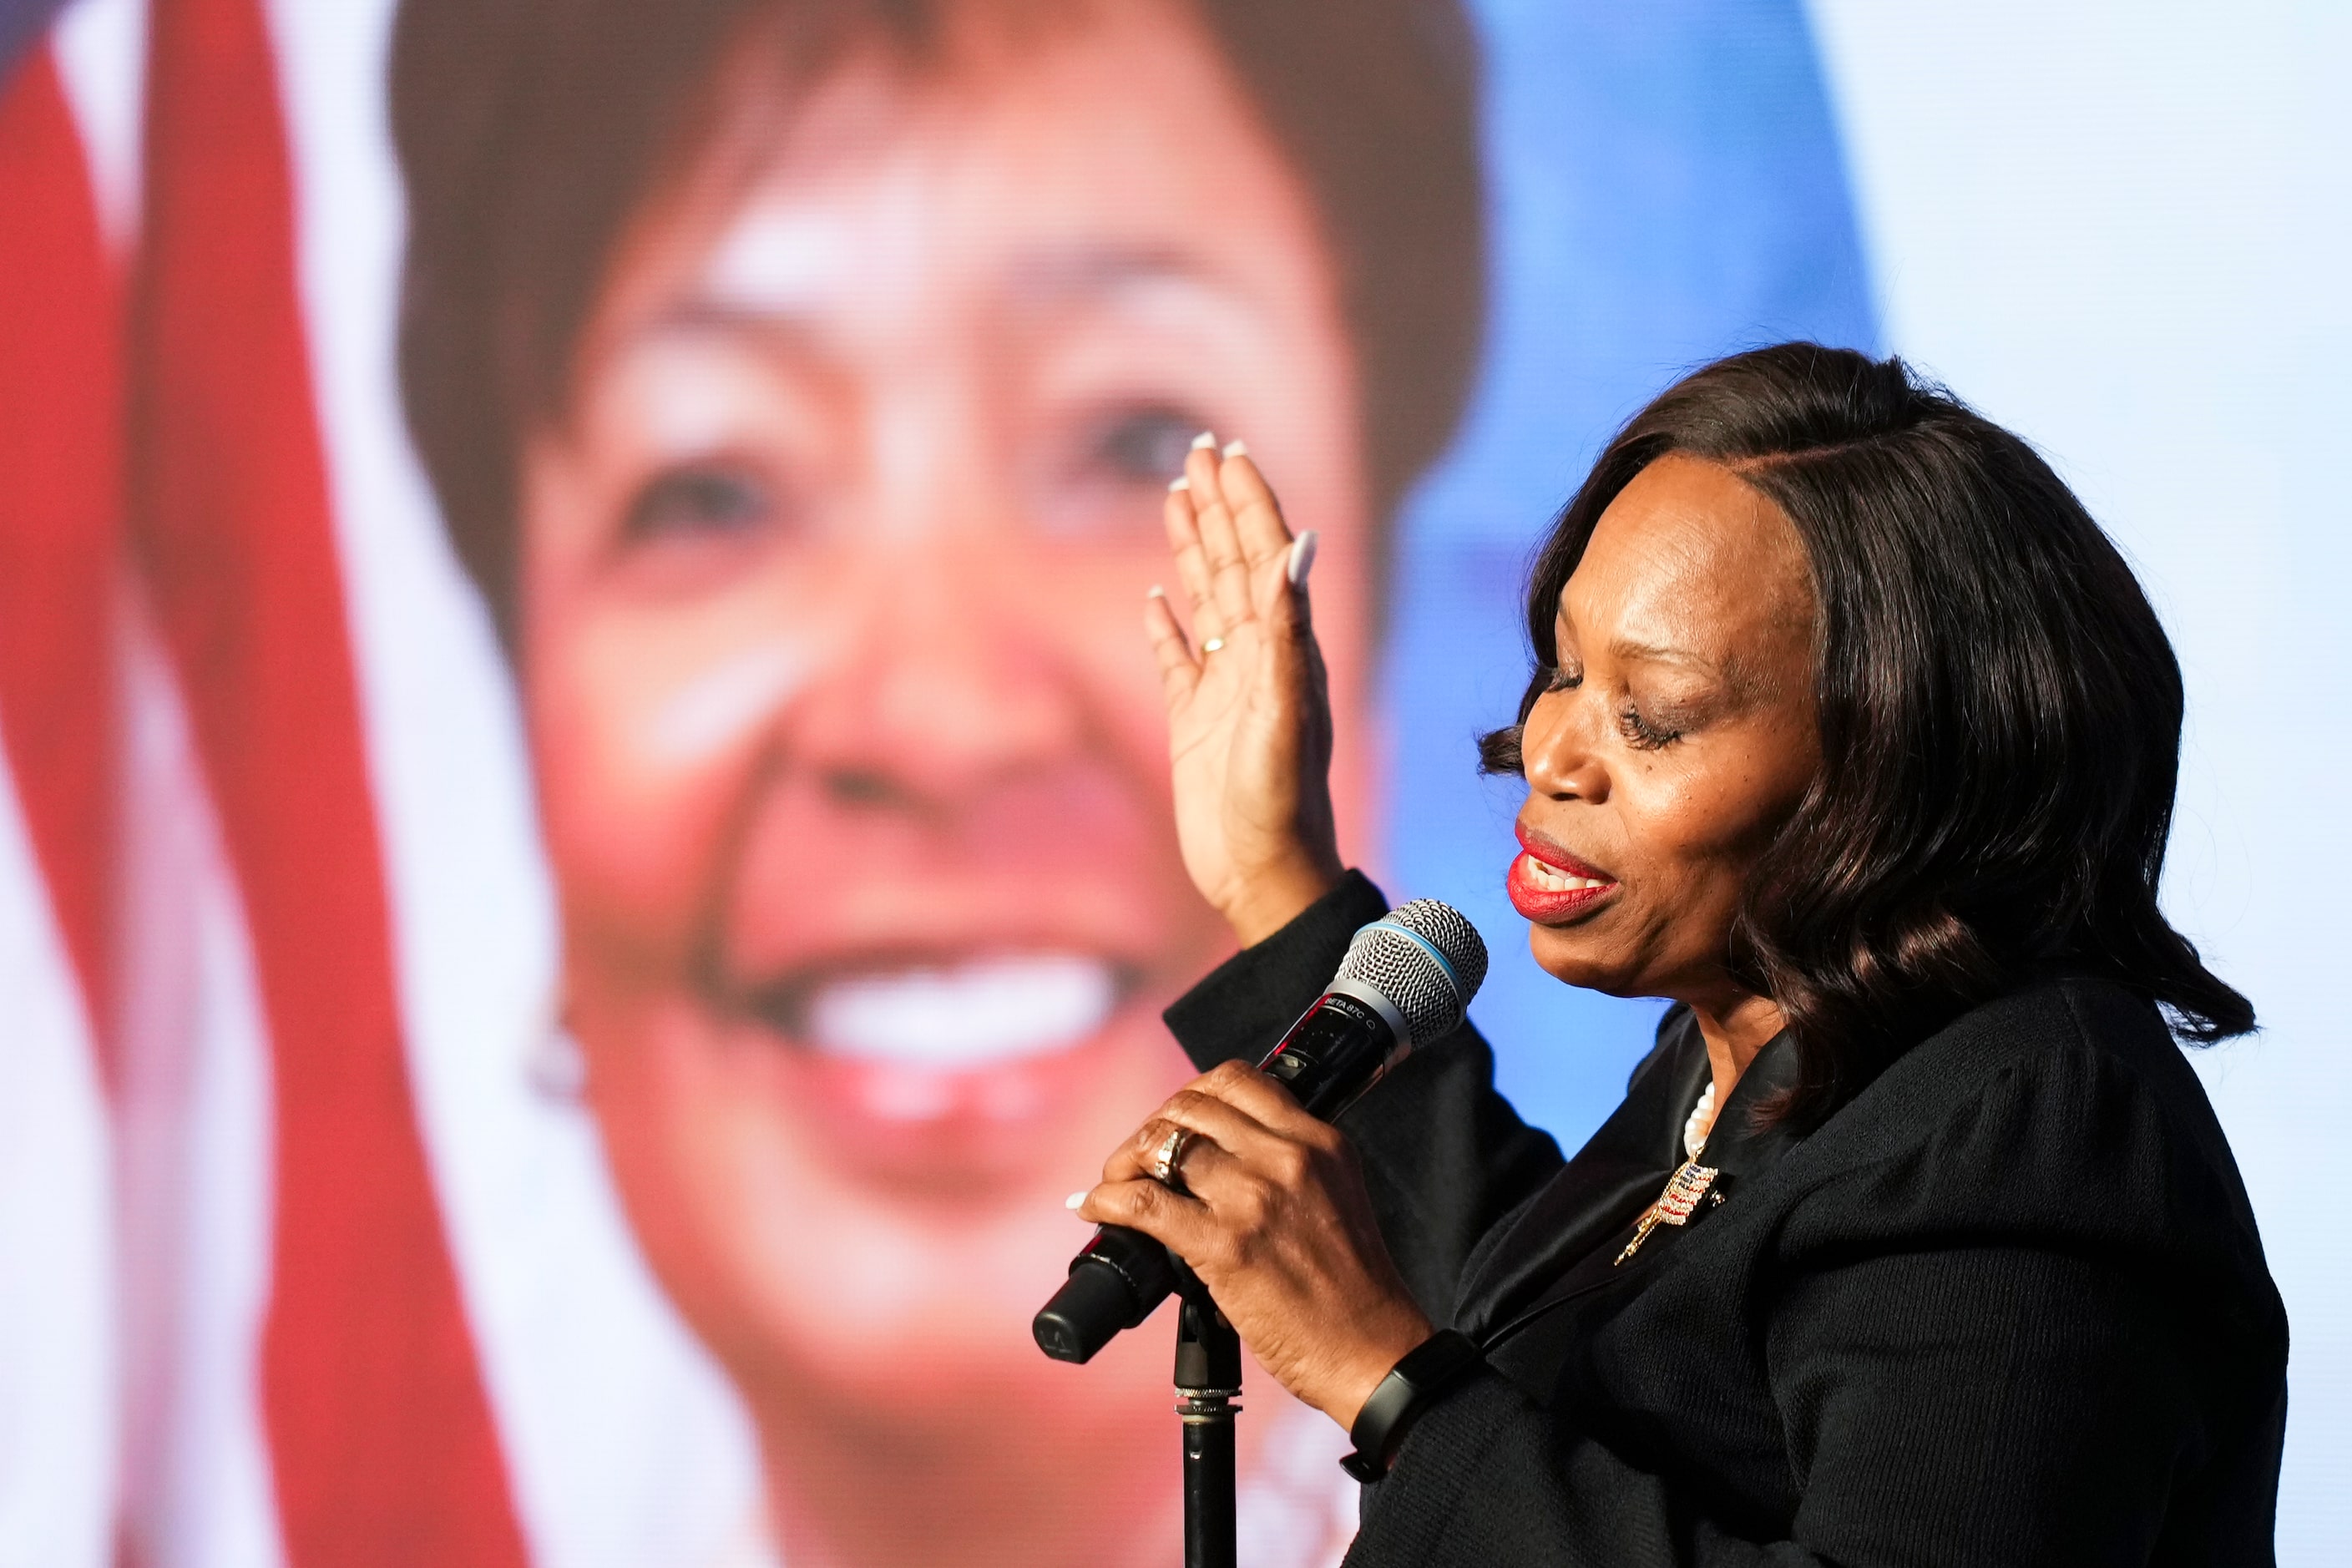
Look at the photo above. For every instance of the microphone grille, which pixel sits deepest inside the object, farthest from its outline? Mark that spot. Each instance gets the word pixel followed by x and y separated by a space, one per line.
pixel 1427 959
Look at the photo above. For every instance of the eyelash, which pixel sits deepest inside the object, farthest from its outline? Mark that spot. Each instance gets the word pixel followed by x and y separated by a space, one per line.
pixel 1639 732
pixel 1642 734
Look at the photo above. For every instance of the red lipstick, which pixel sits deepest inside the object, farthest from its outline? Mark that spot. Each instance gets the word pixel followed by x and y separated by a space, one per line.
pixel 1551 886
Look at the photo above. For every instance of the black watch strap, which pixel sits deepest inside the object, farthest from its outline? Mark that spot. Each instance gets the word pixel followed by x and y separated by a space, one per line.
pixel 1410 1386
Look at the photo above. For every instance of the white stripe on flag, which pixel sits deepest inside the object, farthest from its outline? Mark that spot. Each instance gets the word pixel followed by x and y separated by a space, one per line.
pixel 101 53
pixel 193 1114
pixel 57 1316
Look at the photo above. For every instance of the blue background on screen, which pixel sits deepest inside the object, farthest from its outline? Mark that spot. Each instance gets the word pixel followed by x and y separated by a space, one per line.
pixel 1665 185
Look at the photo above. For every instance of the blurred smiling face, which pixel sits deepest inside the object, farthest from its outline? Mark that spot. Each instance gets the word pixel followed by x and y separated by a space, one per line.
pixel 850 750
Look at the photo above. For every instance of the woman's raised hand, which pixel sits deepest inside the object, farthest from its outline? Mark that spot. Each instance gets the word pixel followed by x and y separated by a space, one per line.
pixel 1249 713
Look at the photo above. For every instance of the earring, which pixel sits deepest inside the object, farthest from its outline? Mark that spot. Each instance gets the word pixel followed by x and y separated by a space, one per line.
pixel 556 1067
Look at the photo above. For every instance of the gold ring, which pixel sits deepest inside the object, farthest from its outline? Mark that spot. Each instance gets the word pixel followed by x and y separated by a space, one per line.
pixel 1165 1160
pixel 1213 645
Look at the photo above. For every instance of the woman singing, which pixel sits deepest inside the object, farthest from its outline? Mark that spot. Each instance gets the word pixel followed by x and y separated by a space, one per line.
pixel 1915 1240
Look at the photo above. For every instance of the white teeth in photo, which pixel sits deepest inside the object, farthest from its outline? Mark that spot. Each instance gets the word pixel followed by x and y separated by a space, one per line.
pixel 964 1015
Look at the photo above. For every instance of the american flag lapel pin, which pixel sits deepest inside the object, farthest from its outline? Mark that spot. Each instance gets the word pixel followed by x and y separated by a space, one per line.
pixel 1680 1199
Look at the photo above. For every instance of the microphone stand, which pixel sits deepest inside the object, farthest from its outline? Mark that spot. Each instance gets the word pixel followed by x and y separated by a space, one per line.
pixel 1208 1389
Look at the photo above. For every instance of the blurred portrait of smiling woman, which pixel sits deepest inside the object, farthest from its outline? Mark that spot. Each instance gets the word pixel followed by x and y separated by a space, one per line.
pixel 801 380
pixel 1915 1240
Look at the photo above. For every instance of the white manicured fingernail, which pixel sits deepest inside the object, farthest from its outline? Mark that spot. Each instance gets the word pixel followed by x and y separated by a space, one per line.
pixel 1076 1200
pixel 1155 592
pixel 1302 558
pixel 1205 438
pixel 1181 482
pixel 1235 450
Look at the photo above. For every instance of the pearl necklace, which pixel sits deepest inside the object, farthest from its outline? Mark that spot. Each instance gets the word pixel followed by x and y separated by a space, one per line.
pixel 1700 1123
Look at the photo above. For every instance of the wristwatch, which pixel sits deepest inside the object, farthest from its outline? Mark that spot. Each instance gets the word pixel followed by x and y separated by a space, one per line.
pixel 1411 1387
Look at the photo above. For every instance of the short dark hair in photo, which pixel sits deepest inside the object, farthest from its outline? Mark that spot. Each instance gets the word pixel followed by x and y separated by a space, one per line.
pixel 531 132
pixel 1999 714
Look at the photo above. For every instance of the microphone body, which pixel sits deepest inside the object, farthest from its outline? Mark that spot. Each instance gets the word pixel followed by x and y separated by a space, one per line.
pixel 1407 979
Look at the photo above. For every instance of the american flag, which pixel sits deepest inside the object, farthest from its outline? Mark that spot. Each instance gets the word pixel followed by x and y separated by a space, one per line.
pixel 297 1265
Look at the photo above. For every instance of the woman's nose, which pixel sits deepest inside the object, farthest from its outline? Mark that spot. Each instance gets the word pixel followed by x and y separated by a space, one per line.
pixel 1557 754
pixel 951 678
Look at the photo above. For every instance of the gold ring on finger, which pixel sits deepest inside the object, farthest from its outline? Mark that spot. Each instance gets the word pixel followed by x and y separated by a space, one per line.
pixel 1167 1157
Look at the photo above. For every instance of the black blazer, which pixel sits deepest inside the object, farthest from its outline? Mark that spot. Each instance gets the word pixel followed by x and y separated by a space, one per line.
pixel 2006 1306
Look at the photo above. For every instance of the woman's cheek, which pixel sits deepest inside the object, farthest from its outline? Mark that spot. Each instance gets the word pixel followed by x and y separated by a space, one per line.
pixel 1699 821
pixel 632 819
pixel 1688 803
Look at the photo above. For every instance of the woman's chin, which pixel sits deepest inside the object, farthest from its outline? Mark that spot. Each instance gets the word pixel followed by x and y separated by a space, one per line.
pixel 1570 955
pixel 953 1339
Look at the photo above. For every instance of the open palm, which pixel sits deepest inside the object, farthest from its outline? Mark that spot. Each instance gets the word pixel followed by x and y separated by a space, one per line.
pixel 1249 717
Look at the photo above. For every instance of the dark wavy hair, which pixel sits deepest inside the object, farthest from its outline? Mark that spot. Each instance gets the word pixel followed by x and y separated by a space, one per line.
pixel 2000 715
pixel 531 132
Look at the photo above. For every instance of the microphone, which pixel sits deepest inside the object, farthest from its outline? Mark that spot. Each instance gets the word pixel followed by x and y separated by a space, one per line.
pixel 1406 982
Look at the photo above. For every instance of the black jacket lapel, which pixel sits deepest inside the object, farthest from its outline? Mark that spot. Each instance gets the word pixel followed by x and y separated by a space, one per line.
pixel 1597 1194
pixel 1738 1151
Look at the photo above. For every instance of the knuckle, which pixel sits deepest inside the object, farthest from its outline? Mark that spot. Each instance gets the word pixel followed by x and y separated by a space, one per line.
pixel 1146 1200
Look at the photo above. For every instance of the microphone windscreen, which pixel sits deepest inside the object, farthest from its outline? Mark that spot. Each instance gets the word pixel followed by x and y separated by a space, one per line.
pixel 1426 958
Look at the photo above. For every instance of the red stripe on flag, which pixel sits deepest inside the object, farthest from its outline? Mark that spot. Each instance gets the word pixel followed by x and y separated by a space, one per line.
pixel 381 1438
pixel 60 509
